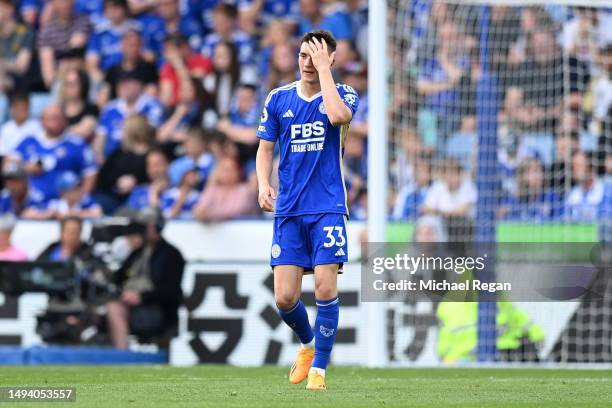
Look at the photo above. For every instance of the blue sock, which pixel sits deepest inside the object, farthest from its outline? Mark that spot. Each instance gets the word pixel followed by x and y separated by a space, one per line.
pixel 326 327
pixel 297 319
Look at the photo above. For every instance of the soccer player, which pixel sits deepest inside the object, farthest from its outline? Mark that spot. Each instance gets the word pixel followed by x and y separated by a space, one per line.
pixel 309 119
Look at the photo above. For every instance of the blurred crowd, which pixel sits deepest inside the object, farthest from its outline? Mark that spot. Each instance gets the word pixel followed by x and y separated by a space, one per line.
pixel 154 104
pixel 107 104
pixel 548 74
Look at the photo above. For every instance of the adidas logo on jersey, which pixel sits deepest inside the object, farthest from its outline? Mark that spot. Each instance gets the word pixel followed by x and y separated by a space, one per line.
pixel 288 114
pixel 340 252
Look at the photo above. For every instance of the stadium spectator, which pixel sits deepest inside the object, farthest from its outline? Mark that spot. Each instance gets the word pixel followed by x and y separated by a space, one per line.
pixel 20 126
pixel 150 282
pixel 462 144
pixel 131 99
pixel 132 62
pixel 148 195
pixel 453 195
pixel 54 151
pixel 566 144
pixel 241 123
pixel 541 80
pixel 64 32
pixel 429 228
pixel 8 251
pixel 104 46
pixel 359 205
pixel 261 13
pixel 17 197
pixel 283 66
pixel 410 148
pixel 355 167
pixel 221 84
pixel 355 75
pixel 186 114
pixel 196 155
pixel 583 199
pixel 125 168
pixel 178 200
pixel 443 77
pixel 225 196
pixel 333 18
pixel 166 21
pixel 225 26
pixel 181 66
pixel 602 88
pixel 16 47
pixel 533 200
pixel 70 245
pixel 72 202
pixel 410 199
pixel 81 115
pixel 586 32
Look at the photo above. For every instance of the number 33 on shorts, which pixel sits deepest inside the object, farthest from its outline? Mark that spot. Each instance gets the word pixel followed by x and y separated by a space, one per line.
pixel 309 240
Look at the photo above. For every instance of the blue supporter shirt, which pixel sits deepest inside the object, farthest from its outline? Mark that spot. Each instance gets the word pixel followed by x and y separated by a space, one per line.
pixel 66 153
pixel 111 119
pixel 105 42
pixel 275 9
pixel 169 197
pixel 245 47
pixel 338 23
pixel 34 200
pixel 201 10
pixel 155 33
pixel 311 178
pixel 547 206
pixel 139 198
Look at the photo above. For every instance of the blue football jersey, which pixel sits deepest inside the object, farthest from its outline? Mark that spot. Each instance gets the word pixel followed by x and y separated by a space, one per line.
pixel 311 178
pixel 66 153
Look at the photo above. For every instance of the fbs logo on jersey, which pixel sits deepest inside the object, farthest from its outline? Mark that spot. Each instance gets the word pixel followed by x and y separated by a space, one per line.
pixel 307 130
pixel 326 331
pixel 340 252
pixel 288 114
pixel 276 251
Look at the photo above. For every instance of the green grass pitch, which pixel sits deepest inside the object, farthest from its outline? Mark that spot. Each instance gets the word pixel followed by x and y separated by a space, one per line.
pixel 225 386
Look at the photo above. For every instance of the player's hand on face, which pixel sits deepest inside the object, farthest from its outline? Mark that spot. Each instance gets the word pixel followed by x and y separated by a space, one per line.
pixel 321 59
pixel 267 195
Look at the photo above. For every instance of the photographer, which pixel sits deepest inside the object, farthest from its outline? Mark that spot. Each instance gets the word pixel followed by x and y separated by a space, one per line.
pixel 70 245
pixel 150 281
pixel 68 313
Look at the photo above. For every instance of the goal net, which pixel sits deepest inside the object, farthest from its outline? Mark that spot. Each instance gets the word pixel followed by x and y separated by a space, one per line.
pixel 501 131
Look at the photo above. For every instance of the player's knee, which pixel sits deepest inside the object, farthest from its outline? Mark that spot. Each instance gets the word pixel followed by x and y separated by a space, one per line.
pixel 285 300
pixel 325 290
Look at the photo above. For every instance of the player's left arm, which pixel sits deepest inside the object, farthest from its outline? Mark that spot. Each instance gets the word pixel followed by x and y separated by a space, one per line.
pixel 337 111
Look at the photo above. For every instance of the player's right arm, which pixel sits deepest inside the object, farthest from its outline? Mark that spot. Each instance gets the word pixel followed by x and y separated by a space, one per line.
pixel 267 132
pixel 265 158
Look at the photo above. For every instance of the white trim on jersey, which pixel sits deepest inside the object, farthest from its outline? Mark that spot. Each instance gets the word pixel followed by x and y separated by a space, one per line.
pixel 312 98
pixel 276 90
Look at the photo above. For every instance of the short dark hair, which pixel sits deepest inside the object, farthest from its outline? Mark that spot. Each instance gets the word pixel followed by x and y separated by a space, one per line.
pixel 177 39
pixel 226 9
pixel 117 3
pixel 321 35
pixel 18 96
pixel 246 85
pixel 69 219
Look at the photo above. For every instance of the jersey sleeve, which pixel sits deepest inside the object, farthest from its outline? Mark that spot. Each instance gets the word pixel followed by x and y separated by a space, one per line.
pixel 87 161
pixel 268 124
pixel 349 97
